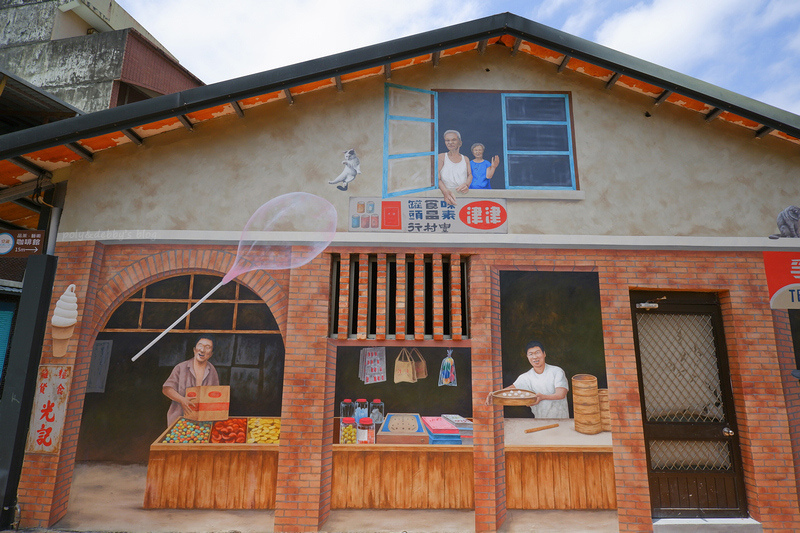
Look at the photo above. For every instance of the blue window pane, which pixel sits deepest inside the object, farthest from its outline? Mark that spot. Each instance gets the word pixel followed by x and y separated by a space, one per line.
pixel 540 171
pixel 538 137
pixel 547 109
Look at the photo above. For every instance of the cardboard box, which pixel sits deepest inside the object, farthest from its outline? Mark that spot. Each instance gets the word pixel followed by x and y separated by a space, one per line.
pixel 393 432
pixel 213 402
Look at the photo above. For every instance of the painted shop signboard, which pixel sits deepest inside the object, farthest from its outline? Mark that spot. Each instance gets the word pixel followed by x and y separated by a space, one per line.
pixel 783 279
pixel 428 215
pixel 49 409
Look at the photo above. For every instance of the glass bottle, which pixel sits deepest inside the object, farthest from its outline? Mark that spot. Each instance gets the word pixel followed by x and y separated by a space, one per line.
pixel 347 430
pixel 365 434
pixel 346 408
pixel 376 411
pixel 362 409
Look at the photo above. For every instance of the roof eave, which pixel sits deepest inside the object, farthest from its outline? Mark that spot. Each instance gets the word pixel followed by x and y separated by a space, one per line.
pixel 199 98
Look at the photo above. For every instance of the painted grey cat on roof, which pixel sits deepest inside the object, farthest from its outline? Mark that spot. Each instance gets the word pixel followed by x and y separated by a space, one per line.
pixel 352 168
pixel 788 223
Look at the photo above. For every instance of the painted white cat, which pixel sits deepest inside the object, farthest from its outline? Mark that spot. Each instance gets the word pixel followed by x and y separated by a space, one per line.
pixel 352 168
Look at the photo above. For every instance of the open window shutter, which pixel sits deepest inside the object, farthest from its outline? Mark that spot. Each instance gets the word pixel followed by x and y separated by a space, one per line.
pixel 409 140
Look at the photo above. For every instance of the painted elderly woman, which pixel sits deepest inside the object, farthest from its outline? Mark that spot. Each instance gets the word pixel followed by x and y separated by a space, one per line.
pixel 454 170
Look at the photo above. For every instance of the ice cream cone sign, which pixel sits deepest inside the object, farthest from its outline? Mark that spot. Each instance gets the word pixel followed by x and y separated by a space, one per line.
pixel 64 318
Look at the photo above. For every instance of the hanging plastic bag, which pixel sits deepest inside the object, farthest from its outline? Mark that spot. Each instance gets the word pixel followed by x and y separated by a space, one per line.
pixel 447 373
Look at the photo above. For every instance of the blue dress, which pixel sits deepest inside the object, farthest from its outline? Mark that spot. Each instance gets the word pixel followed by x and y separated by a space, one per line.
pixel 479 180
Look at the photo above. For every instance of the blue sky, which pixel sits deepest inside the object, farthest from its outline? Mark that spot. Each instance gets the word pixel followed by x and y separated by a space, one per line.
pixel 748 46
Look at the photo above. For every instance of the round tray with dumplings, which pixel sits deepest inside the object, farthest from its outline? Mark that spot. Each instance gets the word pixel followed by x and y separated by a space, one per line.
pixel 513 397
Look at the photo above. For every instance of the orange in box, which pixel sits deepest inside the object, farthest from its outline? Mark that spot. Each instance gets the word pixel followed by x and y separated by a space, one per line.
pixel 212 402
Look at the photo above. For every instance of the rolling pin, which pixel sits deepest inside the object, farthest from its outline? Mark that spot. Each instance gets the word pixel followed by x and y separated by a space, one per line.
pixel 541 428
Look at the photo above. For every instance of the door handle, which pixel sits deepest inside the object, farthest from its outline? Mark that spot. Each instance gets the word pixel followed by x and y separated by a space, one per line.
pixel 728 432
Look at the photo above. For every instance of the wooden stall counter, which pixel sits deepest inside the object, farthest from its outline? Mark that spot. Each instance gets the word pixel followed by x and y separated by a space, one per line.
pixel 402 476
pixel 211 475
pixel 558 468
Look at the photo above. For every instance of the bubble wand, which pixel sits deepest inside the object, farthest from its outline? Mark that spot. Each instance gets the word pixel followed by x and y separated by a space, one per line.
pixel 307 215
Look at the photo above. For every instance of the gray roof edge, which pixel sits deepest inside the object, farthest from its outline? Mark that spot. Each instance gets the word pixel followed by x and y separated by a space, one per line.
pixel 195 99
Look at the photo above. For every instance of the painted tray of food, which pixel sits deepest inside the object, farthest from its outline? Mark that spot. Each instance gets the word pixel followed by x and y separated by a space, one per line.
pixel 513 397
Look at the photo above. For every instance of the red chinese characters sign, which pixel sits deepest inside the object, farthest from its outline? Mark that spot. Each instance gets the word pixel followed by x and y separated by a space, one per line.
pixel 49 409
pixel 783 279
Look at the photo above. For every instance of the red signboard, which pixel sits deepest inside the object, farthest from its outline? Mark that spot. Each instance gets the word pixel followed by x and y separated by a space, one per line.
pixel 783 279
pixel 484 214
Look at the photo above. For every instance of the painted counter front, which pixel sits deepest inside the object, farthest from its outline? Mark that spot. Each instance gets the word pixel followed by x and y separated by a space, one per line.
pixel 556 468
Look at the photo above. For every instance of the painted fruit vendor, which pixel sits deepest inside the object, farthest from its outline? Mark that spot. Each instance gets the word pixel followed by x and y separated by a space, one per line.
pixel 194 372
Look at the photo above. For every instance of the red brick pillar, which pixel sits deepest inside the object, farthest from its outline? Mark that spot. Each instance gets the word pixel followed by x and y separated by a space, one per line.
pixel 45 480
pixel 304 465
pixel 761 409
pixel 400 315
pixel 630 464
pixel 488 455
pixel 791 386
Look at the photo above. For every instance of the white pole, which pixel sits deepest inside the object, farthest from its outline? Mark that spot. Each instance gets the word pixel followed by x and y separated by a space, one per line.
pixel 184 315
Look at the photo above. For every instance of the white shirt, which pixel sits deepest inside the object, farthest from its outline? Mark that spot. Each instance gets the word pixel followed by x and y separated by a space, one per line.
pixel 454 174
pixel 546 383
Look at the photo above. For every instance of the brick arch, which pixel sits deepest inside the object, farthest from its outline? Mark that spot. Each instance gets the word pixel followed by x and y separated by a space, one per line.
pixel 176 262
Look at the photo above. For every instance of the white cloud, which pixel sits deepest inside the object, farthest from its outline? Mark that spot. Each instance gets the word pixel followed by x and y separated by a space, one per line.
pixel 674 33
pixel 222 40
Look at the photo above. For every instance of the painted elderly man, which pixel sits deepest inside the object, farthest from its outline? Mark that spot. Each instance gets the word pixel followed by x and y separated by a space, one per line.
pixel 193 372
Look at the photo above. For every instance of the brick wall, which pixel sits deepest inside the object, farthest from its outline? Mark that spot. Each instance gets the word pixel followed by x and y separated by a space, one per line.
pixel 756 339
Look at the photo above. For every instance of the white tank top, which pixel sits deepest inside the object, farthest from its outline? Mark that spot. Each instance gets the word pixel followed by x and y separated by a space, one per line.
pixel 454 174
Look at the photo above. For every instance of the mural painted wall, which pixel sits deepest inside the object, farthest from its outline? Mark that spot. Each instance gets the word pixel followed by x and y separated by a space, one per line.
pixel 655 159
pixel 562 311
pixel 125 409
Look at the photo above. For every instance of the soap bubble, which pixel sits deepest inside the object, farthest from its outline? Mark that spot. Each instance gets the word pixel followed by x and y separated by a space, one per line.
pixel 306 221
pixel 286 232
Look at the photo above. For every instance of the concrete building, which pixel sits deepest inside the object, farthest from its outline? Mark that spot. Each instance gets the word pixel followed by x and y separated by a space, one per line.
pixel 91 54
pixel 625 226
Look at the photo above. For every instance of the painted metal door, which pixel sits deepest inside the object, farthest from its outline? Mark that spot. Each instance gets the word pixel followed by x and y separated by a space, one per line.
pixel 693 458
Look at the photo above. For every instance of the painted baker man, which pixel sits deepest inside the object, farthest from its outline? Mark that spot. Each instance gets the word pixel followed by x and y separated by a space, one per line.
pixel 548 382
pixel 193 372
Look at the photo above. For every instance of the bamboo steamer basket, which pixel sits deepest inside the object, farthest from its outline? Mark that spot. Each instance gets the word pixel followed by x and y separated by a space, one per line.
pixel 605 409
pixel 586 404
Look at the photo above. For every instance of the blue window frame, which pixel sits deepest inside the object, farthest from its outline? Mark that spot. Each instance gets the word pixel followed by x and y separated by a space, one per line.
pixel 530 132
pixel 537 141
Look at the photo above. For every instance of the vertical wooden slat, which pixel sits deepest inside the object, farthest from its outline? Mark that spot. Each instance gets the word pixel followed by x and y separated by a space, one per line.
pixel 221 472
pixel 171 476
pixel 372 469
pixel 400 315
pixel 436 486
pixel 419 297
pixel 237 485
pixel 344 297
pixel 363 296
pixel 438 298
pixel 404 471
pixel 419 481
pixel 155 474
pixel 204 497
pixel 339 481
pixel 380 312
pixel 455 297
pixel 355 470
pixel 188 479
pixel 546 477
pixel 388 481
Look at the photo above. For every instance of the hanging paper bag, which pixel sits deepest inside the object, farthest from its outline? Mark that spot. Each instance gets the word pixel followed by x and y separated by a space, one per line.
pixel 404 368
pixel 447 372
pixel 420 365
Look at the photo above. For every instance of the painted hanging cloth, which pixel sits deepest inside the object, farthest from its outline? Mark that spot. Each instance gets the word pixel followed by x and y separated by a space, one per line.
pixel 447 374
